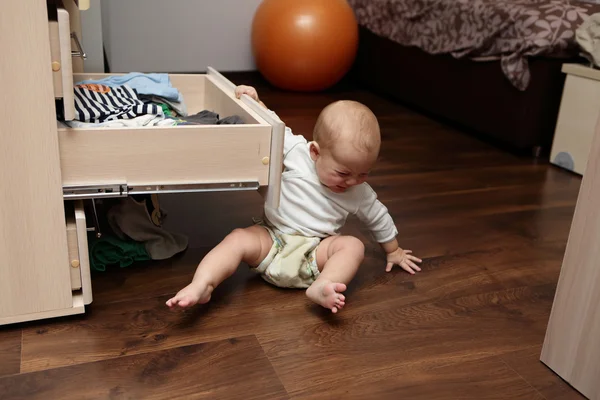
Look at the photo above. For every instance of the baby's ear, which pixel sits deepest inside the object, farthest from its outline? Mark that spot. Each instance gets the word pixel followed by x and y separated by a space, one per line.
pixel 315 150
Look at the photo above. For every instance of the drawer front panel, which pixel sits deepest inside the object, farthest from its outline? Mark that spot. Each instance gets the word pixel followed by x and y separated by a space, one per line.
pixel 82 247
pixel 177 155
pixel 74 263
pixel 61 63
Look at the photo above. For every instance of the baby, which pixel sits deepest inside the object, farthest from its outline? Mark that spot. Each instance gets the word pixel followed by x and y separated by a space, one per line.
pixel 298 244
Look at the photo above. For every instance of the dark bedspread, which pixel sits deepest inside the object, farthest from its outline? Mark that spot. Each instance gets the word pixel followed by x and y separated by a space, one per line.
pixel 509 30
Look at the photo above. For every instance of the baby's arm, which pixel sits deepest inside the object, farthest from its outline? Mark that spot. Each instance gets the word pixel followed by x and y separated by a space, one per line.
pixel 250 91
pixel 377 218
pixel 398 256
pixel 290 140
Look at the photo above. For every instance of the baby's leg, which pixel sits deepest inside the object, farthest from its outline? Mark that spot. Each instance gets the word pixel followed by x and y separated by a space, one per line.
pixel 338 259
pixel 250 245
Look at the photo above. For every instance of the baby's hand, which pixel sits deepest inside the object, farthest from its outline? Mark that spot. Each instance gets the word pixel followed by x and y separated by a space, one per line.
pixel 403 258
pixel 249 90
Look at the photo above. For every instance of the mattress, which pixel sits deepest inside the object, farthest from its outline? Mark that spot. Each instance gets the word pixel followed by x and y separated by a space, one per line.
pixel 505 30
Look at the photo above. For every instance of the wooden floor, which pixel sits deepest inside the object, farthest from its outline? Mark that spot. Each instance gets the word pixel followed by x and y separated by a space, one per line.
pixel 491 229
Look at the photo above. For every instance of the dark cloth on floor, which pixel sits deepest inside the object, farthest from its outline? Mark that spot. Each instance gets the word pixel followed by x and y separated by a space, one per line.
pixel 99 103
pixel 130 219
pixel 207 117
pixel 109 250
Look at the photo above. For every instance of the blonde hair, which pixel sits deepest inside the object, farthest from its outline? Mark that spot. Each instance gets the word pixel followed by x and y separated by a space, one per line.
pixel 352 120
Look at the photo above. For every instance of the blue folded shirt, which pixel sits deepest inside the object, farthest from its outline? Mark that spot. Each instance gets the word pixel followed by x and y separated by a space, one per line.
pixel 151 84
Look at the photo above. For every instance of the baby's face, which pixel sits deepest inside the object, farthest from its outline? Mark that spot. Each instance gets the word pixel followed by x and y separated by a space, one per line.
pixel 343 167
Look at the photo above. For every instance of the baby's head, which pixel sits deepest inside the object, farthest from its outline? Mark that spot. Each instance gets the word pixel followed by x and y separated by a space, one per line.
pixel 346 144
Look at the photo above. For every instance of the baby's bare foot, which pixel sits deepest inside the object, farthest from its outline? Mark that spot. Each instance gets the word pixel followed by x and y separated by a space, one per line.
pixel 190 295
pixel 328 294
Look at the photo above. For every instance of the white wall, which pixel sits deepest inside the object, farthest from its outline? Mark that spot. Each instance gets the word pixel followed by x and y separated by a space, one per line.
pixel 91 32
pixel 178 35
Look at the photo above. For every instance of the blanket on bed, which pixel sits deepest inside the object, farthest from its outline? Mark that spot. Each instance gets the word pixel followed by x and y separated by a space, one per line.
pixel 509 30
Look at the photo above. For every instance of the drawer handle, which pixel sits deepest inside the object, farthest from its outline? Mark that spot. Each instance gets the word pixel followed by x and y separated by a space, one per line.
pixel 80 52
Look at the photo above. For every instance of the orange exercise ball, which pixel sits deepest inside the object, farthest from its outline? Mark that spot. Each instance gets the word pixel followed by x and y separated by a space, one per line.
pixel 304 45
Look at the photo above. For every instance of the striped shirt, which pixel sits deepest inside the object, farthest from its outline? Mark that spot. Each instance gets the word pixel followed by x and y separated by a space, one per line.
pixel 96 103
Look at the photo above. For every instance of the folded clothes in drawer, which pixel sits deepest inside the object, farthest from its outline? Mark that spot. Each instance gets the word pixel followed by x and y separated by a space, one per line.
pixel 98 103
pixel 144 84
pixel 136 100
pixel 206 117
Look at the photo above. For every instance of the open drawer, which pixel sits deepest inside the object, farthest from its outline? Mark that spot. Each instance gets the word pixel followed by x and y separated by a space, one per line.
pixel 98 162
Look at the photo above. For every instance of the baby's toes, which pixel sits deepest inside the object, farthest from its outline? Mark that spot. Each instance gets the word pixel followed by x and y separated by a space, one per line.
pixel 339 287
pixel 184 301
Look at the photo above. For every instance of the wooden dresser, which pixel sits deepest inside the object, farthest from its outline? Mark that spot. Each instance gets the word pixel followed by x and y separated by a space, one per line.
pixel 48 169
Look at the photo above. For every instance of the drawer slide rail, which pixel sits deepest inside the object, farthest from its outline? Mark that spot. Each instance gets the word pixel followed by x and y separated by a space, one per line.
pixel 124 190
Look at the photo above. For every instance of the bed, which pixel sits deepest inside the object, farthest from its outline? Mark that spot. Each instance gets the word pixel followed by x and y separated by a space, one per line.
pixel 493 67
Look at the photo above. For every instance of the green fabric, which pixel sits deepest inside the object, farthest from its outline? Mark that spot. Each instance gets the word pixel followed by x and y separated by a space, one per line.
pixel 109 250
pixel 166 109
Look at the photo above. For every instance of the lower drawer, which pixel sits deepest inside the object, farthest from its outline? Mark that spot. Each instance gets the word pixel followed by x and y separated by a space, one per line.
pixel 78 265
pixel 177 155
pixel 79 262
pixel 73 250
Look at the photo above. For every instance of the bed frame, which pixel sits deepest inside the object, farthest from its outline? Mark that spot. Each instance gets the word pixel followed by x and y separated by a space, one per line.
pixel 475 96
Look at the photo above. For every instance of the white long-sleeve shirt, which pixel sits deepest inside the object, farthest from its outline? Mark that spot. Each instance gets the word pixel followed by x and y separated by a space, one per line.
pixel 309 208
